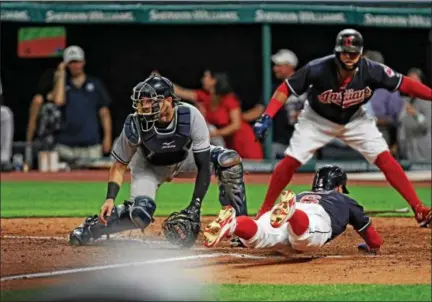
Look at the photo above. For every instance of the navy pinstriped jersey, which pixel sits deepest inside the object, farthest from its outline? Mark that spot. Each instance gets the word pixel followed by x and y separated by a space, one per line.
pixel 325 95
pixel 342 210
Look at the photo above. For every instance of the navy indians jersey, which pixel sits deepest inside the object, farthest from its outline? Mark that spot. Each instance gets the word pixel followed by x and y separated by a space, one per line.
pixel 335 102
pixel 342 210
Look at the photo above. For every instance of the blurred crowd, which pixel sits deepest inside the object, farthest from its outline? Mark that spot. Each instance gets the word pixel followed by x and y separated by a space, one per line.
pixel 70 114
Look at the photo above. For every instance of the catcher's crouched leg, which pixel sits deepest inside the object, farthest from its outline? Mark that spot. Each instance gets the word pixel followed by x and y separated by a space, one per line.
pixel 128 216
pixel 232 190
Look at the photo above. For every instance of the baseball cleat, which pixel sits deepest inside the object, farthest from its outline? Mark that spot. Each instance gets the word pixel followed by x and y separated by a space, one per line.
pixel 220 228
pixel 284 210
pixel 423 216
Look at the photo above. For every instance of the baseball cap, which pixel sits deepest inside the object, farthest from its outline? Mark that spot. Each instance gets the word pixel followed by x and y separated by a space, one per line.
pixel 285 56
pixel 73 53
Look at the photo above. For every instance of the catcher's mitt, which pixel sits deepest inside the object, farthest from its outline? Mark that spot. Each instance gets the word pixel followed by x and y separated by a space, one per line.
pixel 181 229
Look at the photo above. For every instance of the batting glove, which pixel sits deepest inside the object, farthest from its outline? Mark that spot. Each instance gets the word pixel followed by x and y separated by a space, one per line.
pixel 261 126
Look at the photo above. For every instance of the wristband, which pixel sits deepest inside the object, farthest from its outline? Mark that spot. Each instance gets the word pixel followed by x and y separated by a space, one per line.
pixel 112 191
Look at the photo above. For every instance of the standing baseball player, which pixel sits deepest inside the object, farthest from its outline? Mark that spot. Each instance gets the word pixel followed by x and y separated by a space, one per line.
pixel 163 139
pixel 304 222
pixel 338 85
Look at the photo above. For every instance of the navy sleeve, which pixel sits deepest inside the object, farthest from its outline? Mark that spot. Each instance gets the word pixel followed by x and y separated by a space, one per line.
pixel 384 77
pixel 299 82
pixel 357 217
pixel 104 98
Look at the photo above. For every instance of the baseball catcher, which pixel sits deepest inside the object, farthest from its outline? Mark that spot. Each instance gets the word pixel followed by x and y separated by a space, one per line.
pixel 304 222
pixel 163 139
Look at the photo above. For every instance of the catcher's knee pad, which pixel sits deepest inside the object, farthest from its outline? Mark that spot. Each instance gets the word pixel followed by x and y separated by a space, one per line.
pixel 229 170
pixel 142 210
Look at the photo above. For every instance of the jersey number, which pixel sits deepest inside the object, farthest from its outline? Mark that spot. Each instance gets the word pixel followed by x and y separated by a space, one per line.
pixel 310 199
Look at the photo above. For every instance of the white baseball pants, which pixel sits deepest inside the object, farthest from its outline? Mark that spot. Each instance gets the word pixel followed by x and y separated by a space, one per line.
pixel 317 234
pixel 312 132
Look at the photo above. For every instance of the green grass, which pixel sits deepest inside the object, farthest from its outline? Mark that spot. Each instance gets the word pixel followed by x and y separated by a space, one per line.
pixel 342 292
pixel 264 292
pixel 75 199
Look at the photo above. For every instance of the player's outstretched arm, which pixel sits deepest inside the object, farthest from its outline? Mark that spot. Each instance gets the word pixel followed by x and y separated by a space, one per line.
pixel 278 99
pixel 276 103
pixel 415 89
pixel 372 239
pixel 297 84
pixel 363 225
pixel 115 181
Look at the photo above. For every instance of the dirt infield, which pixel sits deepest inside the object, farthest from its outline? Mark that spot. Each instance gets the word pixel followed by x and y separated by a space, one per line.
pixel 39 245
pixel 402 261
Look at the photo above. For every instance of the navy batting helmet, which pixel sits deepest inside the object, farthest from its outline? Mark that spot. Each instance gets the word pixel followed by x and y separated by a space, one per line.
pixel 348 40
pixel 146 97
pixel 329 177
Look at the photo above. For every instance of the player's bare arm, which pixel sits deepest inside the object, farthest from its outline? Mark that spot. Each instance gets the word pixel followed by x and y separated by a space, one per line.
pixel 115 181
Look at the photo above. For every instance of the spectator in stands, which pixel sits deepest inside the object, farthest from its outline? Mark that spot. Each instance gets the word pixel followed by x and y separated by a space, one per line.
pixel 222 110
pixel 215 140
pixel 189 96
pixel 285 63
pixel 84 100
pixel 45 115
pixel 7 129
pixel 385 106
pixel 415 125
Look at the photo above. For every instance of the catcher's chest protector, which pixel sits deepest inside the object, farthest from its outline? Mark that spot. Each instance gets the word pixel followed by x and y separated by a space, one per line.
pixel 169 147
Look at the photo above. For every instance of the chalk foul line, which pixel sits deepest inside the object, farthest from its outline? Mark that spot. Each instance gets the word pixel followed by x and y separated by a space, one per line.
pixel 103 267
pixel 112 239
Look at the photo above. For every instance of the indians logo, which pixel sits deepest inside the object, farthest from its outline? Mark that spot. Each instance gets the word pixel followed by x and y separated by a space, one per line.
pixel 350 97
pixel 389 71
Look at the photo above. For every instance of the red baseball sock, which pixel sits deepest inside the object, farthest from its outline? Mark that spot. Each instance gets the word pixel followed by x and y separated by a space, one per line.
pixel 397 178
pixel 299 222
pixel 246 227
pixel 280 178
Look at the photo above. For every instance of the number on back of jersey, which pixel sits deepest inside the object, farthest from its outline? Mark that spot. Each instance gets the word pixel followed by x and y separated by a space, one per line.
pixel 310 198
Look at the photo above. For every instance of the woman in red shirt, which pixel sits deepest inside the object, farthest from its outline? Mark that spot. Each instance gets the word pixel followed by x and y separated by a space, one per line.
pixel 222 109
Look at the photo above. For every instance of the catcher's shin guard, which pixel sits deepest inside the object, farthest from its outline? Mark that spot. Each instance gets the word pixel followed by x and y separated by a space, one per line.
pixel 125 217
pixel 229 171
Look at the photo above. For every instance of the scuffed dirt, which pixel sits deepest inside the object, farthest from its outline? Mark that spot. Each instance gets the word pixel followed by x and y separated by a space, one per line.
pixel 405 257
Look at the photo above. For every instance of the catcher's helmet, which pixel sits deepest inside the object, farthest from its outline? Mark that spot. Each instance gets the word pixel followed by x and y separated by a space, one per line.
pixel 348 40
pixel 146 97
pixel 328 178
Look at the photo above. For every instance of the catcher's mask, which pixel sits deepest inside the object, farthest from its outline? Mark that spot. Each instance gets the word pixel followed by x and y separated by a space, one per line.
pixel 147 97
pixel 328 178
